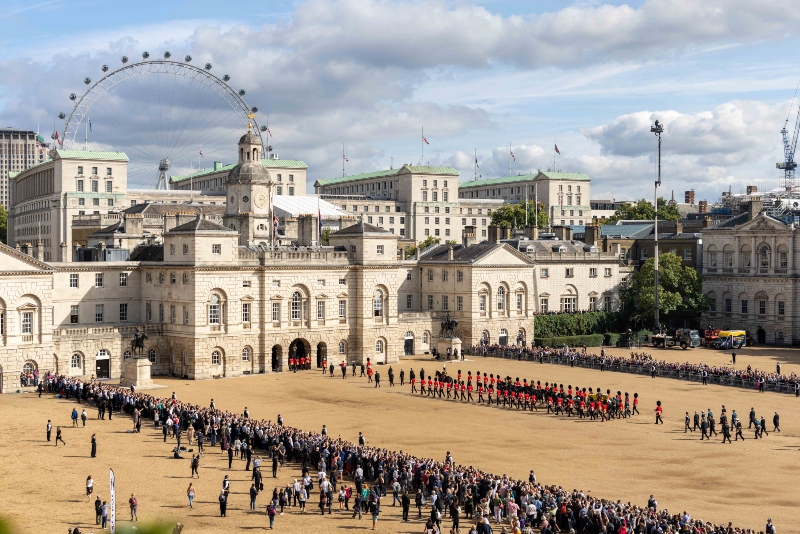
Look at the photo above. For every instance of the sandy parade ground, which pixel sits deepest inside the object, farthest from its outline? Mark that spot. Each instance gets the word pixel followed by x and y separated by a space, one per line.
pixel 42 487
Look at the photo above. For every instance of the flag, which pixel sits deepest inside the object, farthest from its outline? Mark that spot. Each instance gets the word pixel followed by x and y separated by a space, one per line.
pixel 476 164
pixel 90 125
pixel 60 142
pixel 269 133
pixel 345 157
pixel 201 154
pixel 424 139
pixel 557 150
pixel 512 155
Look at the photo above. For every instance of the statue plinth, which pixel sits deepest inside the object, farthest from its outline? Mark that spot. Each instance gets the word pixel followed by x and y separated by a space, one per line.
pixel 452 343
pixel 136 372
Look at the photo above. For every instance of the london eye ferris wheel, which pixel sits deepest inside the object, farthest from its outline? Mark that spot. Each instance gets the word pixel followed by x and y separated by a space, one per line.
pixel 170 117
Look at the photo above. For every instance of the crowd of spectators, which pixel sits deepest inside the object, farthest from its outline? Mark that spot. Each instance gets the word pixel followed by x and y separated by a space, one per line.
pixel 441 490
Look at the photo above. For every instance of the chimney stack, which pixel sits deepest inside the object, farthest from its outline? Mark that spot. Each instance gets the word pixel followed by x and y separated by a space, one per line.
pixel 450 252
pixel 703 206
pixel 688 197
pixel 468 236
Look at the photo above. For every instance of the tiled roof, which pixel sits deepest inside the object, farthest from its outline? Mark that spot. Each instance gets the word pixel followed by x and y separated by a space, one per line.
pixel 148 253
pixel 91 154
pixel 632 230
pixel 268 163
pixel 415 169
pixel 460 252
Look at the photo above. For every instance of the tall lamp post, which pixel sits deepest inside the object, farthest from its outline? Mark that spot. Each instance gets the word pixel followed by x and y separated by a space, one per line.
pixel 657 129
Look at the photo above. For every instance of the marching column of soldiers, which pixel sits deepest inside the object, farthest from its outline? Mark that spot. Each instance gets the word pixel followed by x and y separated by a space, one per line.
pixel 524 395
pixel 705 422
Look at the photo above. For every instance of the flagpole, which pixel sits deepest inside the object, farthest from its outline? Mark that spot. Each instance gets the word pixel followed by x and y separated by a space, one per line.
pixel 475 176
pixel 526 206
pixel 536 203
pixel 342 160
pixel 555 144
pixel 86 134
pixel 510 169
pixel 422 145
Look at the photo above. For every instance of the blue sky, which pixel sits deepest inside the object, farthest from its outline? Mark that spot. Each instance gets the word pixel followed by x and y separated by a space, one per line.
pixel 590 76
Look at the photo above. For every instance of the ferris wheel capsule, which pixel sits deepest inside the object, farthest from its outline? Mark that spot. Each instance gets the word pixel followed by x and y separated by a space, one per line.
pixel 104 68
pixel 254 110
pixel 167 55
pixel 87 81
pixel 72 96
pixel 208 66
pixel 124 59
pixel 263 128
pixel 187 59
pixel 226 78
pixel 62 115
pixel 145 55
pixel 241 92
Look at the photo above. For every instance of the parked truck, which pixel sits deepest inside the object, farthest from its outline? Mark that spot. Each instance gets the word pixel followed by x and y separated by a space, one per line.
pixel 683 337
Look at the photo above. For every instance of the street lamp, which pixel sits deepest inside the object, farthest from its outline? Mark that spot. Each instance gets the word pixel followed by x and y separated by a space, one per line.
pixel 657 129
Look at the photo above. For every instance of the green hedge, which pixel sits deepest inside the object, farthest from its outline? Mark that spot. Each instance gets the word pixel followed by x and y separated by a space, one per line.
pixel 611 339
pixel 590 340
pixel 576 324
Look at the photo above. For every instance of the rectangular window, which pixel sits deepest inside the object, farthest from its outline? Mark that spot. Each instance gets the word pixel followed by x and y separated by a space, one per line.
pixel 73 314
pixel 430 302
pixel 568 304
pixel 342 282
pixel 607 303
pixel 430 275
pixel 746 259
pixel 379 249
pixel 728 260
pixel 570 272
pixel 27 323
pixel 279 190
pixel 291 191
pixel 185 278
pixel 608 271
pixel 185 315
pixel 80 169
pixel 402 220
pixel 123 311
pixel 687 254
pixel 245 312
pixel 216 249
pixel 108 171
pixel 109 187
pixel 73 280
pixel 161 313
pixel 592 303
pixel 459 276
pixel 98 280
pixel 173 314
pixel 744 307
pixel 94 171
pixel 148 277
pixel 712 305
pixel 459 303
pixel 95 186
pixel 160 278
pixel 545 272
pixel 80 186
pixel 98 313
pixel 123 279
pixel 213 313
pixel 519 301
pixel 185 249
pixel 172 249
pixel 245 283
pixel 592 272
pixel 482 301
pixel 321 310
pixel 762 307
pixel 276 312
pixel 81 202
pixel 409 302
pixel 543 305
pixel 728 305
pixel 444 276
pixel 783 260
pixel 95 202
pixel 445 302
pixel 148 312
pixel 781 308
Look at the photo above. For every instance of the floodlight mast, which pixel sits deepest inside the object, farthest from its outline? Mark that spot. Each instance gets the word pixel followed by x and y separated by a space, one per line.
pixel 657 129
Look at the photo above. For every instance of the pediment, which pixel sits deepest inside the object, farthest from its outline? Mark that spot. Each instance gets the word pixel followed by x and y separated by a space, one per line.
pixel 12 260
pixel 765 223
pixel 505 255
pixel 248 298
pixel 342 295
pixel 321 296
pixel 276 297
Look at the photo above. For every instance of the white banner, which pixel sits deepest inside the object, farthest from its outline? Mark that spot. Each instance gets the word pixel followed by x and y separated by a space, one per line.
pixel 112 512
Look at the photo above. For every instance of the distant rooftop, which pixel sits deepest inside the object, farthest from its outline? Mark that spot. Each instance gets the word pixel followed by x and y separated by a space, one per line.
pixel 90 154
pixel 268 163
pixel 412 169
pixel 541 175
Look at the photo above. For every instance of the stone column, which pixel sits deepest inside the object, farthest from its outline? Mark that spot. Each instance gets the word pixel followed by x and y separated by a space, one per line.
pixel 736 245
pixel 753 256
pixel 773 262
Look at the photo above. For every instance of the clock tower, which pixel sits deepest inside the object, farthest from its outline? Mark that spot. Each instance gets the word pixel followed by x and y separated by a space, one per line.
pixel 249 190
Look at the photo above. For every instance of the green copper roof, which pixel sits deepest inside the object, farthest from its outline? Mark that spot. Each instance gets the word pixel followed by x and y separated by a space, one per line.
pixel 413 169
pixel 12 175
pixel 576 176
pixel 91 154
pixel 268 163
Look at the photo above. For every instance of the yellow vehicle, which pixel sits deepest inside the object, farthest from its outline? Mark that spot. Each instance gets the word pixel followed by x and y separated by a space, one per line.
pixel 730 339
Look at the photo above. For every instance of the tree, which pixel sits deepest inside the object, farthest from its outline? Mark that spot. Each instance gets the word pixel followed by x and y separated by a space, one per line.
pixel 425 243
pixel 3 223
pixel 511 215
pixel 642 210
pixel 679 288
pixel 323 239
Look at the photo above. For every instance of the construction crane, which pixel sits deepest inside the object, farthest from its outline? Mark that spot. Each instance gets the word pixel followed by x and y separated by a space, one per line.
pixel 789 164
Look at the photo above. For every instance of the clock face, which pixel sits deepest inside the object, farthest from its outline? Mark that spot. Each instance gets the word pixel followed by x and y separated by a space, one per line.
pixel 260 199
pixel 245 198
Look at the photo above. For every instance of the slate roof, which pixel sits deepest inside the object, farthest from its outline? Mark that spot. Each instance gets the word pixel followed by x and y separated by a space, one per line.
pixel 361 228
pixel 414 169
pixel 460 252
pixel 525 178
pixel 148 253
pixel 199 225
pixel 629 230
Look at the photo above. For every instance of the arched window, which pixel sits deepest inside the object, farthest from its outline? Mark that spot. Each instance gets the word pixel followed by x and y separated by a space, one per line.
pixel 186 357
pixel 296 306
pixel 341 347
pixel 377 303
pixel 75 361
pixel 214 310
pixel 764 257
pixel 501 298
pixel 29 367
pixel 216 358
pixel 379 346
pixel 425 338
pixel 151 355
pixel 245 354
